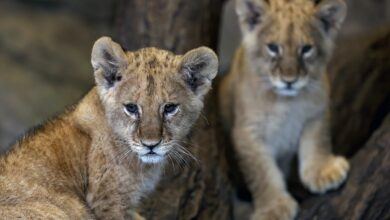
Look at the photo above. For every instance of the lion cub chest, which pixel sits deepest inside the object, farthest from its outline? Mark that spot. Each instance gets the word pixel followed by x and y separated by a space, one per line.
pixel 280 124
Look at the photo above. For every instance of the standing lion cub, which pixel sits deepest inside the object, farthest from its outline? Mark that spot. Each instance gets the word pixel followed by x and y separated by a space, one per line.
pixel 99 158
pixel 275 99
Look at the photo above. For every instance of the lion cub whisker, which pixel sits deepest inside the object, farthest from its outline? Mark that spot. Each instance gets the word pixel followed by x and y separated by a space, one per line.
pixel 99 159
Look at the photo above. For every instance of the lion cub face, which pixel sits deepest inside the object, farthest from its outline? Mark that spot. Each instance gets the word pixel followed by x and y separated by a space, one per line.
pixel 289 42
pixel 152 97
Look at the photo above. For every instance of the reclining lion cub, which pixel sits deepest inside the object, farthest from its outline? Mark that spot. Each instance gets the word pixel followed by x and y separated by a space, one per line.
pixel 275 99
pixel 99 158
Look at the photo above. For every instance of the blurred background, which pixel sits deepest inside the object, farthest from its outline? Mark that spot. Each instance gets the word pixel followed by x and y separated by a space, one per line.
pixel 45 48
pixel 45 52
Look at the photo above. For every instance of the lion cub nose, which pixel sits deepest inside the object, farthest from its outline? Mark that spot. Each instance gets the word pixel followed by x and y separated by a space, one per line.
pixel 289 81
pixel 151 144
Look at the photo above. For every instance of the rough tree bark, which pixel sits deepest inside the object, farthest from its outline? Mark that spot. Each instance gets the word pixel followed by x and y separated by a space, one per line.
pixel 199 191
pixel 176 25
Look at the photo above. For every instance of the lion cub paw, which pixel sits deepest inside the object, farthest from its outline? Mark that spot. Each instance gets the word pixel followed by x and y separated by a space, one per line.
pixel 136 216
pixel 330 175
pixel 282 208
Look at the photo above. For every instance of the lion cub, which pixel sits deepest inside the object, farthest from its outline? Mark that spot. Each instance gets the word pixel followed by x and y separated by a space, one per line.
pixel 98 159
pixel 275 99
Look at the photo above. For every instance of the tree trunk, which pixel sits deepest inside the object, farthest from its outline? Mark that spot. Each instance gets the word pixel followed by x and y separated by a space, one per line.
pixel 360 96
pixel 175 25
pixel 199 191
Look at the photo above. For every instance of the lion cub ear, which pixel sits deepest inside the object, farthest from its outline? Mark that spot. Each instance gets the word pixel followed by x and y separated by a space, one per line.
pixel 108 58
pixel 331 14
pixel 250 13
pixel 198 68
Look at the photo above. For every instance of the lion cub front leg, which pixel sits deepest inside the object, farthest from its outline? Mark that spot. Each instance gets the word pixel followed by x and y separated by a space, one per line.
pixel 135 215
pixel 320 170
pixel 264 179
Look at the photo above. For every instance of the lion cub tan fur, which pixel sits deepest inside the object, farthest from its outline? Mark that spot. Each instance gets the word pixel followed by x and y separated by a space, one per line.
pixel 275 99
pixel 98 159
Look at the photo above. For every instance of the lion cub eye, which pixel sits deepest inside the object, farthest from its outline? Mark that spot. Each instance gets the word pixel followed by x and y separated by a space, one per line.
pixel 273 49
pixel 306 51
pixel 170 109
pixel 131 109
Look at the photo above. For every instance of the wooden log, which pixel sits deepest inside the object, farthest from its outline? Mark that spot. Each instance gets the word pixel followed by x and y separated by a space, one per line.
pixel 201 190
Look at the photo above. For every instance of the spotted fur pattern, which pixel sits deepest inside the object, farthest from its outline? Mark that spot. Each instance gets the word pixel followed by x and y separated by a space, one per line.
pixel 96 161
